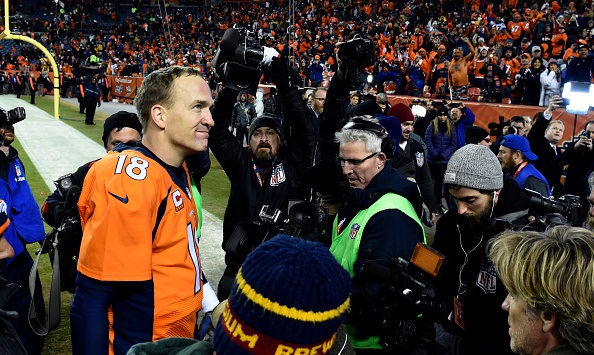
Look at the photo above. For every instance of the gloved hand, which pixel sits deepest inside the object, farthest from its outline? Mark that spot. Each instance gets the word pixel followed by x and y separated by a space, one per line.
pixel 279 73
pixel 438 158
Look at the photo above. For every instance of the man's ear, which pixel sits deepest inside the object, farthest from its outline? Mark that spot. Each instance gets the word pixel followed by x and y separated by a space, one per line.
pixel 549 321
pixel 159 115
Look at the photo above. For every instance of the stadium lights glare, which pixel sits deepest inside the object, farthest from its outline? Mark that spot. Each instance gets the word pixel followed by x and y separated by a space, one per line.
pixel 580 95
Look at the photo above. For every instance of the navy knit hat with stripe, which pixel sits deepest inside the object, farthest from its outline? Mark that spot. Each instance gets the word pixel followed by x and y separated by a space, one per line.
pixel 289 294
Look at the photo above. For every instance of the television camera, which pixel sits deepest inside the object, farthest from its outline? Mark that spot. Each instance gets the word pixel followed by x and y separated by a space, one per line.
pixel 408 307
pixel 305 220
pixel 238 60
pixel 10 117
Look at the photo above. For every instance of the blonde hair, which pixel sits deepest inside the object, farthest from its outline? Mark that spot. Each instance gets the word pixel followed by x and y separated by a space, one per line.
pixel 552 272
pixel 448 124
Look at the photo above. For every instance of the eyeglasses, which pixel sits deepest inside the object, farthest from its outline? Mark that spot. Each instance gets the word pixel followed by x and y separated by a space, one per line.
pixel 487 140
pixel 354 162
pixel 319 98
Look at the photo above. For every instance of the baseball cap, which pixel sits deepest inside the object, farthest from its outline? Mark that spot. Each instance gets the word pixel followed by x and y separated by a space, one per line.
pixel 515 142
pixel 535 48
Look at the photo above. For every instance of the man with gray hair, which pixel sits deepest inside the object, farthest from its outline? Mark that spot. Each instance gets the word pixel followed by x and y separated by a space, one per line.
pixel 485 202
pixel 364 228
pixel 549 276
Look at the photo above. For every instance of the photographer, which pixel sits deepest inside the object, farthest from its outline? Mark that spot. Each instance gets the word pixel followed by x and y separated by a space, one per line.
pixel 579 159
pixel 269 171
pixel 544 137
pixel 121 127
pixel 26 227
pixel 467 281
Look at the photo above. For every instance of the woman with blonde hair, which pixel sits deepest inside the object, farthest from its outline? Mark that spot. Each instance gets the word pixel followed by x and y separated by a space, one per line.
pixel 441 140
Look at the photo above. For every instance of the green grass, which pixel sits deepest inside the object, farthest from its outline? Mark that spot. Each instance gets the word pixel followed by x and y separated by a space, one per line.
pixel 215 190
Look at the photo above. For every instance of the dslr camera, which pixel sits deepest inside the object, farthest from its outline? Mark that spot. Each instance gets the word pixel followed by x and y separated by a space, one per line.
pixel 10 117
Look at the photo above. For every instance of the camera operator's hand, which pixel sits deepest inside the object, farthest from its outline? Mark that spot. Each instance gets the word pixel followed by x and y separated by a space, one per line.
pixel 279 73
pixel 584 142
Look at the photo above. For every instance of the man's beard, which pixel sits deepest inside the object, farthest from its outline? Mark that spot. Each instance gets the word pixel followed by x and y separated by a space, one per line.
pixel 263 154
pixel 471 220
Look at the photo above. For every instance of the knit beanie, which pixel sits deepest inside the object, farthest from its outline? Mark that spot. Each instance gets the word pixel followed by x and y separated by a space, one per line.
pixel 402 112
pixel 476 167
pixel 475 134
pixel 118 120
pixel 266 120
pixel 289 294
pixel 367 108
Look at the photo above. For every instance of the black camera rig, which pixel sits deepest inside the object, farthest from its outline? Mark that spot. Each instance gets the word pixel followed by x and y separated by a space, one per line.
pixel 305 220
pixel 238 60
pixel 10 117
pixel 545 212
pixel 408 308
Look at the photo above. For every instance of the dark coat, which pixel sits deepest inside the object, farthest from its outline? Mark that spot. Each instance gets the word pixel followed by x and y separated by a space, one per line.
pixel 486 328
pixel 389 234
pixel 548 162
pixel 284 180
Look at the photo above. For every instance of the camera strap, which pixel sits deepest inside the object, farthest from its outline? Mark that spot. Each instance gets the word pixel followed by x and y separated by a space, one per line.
pixel 55 299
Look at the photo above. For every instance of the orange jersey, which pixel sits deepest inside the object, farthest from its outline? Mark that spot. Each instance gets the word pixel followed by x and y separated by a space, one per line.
pixel 139 223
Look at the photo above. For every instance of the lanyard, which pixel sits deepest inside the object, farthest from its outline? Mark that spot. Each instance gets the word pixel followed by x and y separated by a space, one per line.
pixel 522 166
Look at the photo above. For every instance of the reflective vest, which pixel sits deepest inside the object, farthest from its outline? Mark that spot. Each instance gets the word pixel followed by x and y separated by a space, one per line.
pixel 345 246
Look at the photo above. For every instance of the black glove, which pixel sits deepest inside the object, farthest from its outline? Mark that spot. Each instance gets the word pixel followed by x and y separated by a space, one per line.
pixel 438 158
pixel 279 73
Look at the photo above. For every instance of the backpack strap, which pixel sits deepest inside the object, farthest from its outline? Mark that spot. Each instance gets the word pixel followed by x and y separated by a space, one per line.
pixel 55 300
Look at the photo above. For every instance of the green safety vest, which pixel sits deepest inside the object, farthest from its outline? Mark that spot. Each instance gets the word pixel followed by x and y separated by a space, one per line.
pixel 198 202
pixel 345 247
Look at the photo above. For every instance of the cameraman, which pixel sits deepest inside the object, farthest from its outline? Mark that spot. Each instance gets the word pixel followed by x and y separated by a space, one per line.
pixel 363 230
pixel 26 226
pixel 269 171
pixel 468 282
pixel 121 127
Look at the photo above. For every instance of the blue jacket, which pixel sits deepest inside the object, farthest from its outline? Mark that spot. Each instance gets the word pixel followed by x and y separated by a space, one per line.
pixel 316 72
pixel 530 170
pixel 440 144
pixel 465 121
pixel 26 225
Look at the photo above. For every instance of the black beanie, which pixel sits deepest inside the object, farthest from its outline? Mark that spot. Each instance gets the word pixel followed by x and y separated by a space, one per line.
pixel 475 134
pixel 266 120
pixel 119 120
pixel 367 108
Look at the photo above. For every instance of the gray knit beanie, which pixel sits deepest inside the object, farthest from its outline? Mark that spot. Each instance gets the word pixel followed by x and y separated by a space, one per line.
pixel 476 167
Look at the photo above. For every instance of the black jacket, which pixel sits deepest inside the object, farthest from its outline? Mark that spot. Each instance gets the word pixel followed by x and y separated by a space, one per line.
pixel 414 156
pixel 548 162
pixel 284 180
pixel 486 328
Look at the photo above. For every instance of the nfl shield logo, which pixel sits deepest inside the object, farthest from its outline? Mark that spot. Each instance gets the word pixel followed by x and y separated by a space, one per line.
pixel 354 230
pixel 487 277
pixel 420 158
pixel 278 175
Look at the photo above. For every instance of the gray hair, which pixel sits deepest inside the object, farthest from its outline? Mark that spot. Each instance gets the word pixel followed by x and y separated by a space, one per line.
pixel 373 142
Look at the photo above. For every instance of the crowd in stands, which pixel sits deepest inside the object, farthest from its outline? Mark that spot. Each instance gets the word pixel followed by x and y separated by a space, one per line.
pixel 516 51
